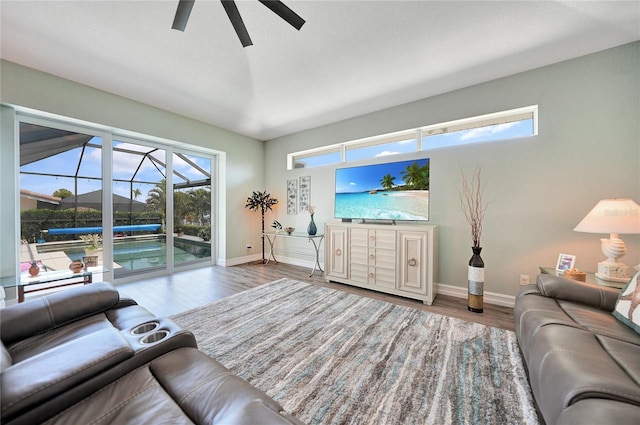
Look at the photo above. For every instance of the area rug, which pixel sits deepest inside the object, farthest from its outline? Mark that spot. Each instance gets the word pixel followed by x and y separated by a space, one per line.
pixel 330 357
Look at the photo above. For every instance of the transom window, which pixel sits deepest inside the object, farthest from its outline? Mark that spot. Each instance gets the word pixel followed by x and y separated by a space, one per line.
pixel 505 125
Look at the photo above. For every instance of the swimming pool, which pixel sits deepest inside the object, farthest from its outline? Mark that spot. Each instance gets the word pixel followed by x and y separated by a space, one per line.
pixel 133 254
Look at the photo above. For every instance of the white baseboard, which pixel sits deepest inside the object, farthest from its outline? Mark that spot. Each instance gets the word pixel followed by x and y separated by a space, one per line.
pixel 489 297
pixel 258 257
pixel 239 260
pixel 454 291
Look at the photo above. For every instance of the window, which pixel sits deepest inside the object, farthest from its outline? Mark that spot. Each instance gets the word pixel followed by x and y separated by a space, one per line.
pixel 394 144
pixel 315 157
pixel 504 125
pixel 68 173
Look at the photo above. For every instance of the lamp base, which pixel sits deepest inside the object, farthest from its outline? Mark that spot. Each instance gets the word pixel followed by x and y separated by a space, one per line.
pixel 614 272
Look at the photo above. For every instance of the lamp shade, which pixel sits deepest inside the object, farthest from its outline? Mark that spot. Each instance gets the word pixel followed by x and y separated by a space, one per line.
pixel 620 216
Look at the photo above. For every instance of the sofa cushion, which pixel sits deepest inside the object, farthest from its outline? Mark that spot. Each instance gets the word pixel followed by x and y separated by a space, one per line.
pixel 568 364
pixel 183 386
pixel 41 342
pixel 627 308
pixel 598 321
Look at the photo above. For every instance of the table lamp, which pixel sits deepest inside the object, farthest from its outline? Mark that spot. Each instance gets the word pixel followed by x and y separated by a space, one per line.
pixel 613 216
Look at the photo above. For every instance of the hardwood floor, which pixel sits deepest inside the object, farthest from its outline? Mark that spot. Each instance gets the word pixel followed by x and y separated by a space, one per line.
pixel 168 295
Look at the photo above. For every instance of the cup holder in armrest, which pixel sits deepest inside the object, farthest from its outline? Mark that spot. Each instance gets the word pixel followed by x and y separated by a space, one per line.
pixel 154 337
pixel 145 328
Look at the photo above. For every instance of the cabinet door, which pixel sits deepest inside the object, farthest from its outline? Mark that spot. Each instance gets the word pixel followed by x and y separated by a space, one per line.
pixel 412 262
pixel 336 255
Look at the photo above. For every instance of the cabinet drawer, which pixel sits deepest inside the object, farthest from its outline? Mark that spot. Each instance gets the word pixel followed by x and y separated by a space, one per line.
pixel 383 258
pixel 358 237
pixel 359 273
pixel 382 239
pixel 359 255
pixel 384 278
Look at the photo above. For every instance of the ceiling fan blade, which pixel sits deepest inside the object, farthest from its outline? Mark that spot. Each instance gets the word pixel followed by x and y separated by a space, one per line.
pixel 284 12
pixel 182 14
pixel 236 20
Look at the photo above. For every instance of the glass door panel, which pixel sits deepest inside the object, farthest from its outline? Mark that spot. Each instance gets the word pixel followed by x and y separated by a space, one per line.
pixel 192 212
pixel 139 208
pixel 60 195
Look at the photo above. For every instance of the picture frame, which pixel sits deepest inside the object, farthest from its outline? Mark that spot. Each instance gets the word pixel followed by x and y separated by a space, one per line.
pixel 292 196
pixel 304 193
pixel 565 262
pixel 90 261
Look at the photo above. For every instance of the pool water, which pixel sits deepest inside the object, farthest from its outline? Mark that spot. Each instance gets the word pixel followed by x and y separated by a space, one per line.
pixel 143 254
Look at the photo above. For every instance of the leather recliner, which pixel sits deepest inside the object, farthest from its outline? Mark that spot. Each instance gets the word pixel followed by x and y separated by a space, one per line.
pixel 84 350
pixel 583 364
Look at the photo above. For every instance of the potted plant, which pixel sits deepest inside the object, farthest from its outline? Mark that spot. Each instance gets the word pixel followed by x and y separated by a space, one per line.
pixel 261 201
pixel 94 240
pixel 93 252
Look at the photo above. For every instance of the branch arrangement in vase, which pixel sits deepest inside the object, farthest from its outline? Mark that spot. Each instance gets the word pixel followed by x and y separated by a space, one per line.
pixel 472 204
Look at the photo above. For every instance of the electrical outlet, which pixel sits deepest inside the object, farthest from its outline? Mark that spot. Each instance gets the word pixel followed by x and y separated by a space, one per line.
pixel 524 279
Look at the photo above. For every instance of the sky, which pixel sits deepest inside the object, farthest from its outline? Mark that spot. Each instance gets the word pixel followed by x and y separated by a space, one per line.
pixel 512 130
pixel 124 166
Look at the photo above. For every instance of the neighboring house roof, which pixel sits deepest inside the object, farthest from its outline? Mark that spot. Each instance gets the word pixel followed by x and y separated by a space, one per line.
pixel 93 200
pixel 40 197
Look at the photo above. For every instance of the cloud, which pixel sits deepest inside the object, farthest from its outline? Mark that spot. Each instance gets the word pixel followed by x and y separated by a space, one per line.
pixel 486 131
pixel 386 153
pixel 353 184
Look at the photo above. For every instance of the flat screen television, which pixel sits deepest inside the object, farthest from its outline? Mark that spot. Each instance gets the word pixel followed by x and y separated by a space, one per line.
pixel 386 191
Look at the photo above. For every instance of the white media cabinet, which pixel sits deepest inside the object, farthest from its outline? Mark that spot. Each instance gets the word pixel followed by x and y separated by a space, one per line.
pixel 395 259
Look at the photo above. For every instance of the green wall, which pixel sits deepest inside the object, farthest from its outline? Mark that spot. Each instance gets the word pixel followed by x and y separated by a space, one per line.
pixel 588 148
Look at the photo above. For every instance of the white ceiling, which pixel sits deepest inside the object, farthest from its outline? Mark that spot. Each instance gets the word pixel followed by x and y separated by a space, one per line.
pixel 349 59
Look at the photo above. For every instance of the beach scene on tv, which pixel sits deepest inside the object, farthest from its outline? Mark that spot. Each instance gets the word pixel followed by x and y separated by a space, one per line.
pixel 387 191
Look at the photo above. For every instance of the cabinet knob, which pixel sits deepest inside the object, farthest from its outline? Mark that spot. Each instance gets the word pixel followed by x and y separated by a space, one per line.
pixel 412 262
pixel 338 252
pixel 372 256
pixel 371 275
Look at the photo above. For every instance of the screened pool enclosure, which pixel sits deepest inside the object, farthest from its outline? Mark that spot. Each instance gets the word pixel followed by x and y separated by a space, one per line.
pixel 137 205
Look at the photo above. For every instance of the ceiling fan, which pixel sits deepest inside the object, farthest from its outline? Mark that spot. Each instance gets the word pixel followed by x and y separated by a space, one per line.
pixel 276 6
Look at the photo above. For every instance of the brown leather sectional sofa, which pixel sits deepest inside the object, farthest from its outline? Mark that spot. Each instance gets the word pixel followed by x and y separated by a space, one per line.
pixel 86 355
pixel 583 364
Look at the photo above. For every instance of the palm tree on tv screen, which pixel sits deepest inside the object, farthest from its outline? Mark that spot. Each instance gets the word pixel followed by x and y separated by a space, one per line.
pixel 387 181
pixel 416 177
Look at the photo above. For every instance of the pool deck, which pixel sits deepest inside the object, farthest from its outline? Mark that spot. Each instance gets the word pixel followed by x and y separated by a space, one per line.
pixel 56 260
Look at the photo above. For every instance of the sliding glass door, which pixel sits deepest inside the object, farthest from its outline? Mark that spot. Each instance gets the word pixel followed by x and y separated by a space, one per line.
pixel 128 205
pixel 139 208
pixel 61 200
pixel 191 208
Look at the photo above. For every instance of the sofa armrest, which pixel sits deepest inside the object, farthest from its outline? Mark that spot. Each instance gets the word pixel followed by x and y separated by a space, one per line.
pixel 26 319
pixel 528 290
pixel 601 297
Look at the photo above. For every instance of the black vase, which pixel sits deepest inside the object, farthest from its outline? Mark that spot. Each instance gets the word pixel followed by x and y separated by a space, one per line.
pixel 312 229
pixel 475 281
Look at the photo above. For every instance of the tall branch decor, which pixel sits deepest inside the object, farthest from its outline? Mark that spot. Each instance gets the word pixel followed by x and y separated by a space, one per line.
pixel 472 204
pixel 473 209
pixel 261 201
